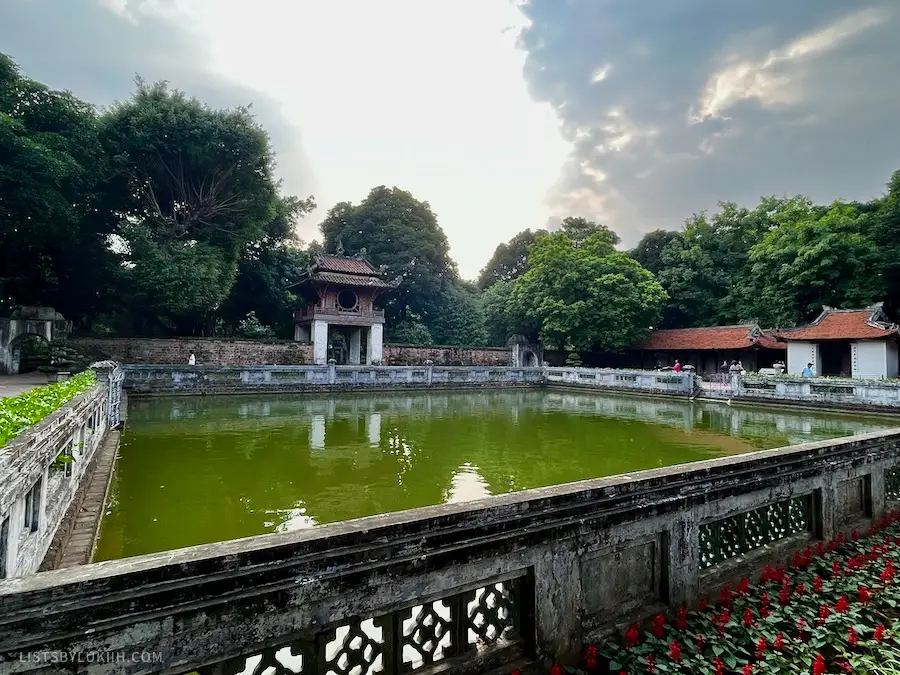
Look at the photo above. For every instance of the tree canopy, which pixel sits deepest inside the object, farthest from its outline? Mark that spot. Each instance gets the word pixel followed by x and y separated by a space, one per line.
pixel 163 216
pixel 586 295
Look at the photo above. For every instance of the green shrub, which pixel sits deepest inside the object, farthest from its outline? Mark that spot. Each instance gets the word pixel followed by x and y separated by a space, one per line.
pixel 17 413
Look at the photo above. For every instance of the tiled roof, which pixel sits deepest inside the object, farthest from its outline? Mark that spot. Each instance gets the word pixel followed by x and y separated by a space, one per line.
pixel 339 263
pixel 845 324
pixel 716 337
pixel 350 280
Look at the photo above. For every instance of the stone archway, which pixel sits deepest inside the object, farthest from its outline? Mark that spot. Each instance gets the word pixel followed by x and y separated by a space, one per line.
pixel 530 360
pixel 44 322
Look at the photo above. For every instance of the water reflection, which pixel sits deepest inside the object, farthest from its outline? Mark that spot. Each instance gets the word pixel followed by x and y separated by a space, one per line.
pixel 195 470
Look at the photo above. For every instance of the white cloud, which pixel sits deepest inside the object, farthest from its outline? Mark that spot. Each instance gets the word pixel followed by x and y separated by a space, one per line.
pixel 423 94
pixel 775 80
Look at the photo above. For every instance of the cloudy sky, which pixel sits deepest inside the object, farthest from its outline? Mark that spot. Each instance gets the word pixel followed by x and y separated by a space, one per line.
pixel 506 115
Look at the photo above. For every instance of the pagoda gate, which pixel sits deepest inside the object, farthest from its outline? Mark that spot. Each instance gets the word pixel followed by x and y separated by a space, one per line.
pixel 340 292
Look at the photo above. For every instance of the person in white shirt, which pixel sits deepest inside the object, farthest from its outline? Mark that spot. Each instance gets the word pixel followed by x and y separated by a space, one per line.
pixel 191 360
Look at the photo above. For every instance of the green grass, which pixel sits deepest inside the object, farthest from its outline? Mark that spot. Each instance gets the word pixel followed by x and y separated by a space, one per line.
pixel 17 413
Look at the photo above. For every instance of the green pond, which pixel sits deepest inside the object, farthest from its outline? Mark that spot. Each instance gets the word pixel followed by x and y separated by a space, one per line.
pixel 200 470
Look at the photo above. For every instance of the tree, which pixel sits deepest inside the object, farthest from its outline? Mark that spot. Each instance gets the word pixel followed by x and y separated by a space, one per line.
pixel 705 270
pixel 504 316
pixel 649 249
pixel 579 229
pixel 401 234
pixel 409 332
pixel 192 188
pixel 801 266
pixel 510 260
pixel 459 321
pixel 53 248
pixel 586 295
pixel 885 232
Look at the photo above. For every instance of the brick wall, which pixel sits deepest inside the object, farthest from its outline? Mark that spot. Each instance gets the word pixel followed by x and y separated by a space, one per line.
pixel 221 352
pixel 405 355
pixel 208 352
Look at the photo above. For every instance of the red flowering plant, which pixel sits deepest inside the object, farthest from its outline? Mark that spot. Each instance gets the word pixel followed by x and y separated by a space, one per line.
pixel 836 608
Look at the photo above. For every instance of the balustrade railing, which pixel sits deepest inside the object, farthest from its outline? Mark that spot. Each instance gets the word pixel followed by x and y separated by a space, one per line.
pixel 456 588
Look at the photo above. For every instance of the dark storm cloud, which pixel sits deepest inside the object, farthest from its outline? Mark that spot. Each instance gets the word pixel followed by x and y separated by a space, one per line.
pixel 95 52
pixel 806 102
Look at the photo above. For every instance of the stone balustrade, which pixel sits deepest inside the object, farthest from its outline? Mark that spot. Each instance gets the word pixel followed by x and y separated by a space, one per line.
pixel 631 380
pixel 150 379
pixel 41 471
pixel 838 392
pixel 456 588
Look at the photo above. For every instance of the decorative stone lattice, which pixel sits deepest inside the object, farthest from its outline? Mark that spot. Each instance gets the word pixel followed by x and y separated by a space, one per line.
pixel 744 532
pixel 892 484
pixel 395 644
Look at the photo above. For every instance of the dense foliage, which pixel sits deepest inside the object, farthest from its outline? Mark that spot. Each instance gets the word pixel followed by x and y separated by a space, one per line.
pixel 162 216
pixel 834 610
pixel 20 412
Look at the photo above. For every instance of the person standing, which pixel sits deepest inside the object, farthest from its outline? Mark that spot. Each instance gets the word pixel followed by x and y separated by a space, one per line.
pixel 677 367
pixel 808 371
pixel 191 360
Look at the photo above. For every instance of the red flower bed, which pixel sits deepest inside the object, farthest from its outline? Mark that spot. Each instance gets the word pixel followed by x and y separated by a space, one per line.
pixel 834 610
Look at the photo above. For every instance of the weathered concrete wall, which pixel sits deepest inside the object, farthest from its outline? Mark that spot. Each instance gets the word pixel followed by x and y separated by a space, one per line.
pixel 149 380
pixel 27 466
pixel 626 380
pixel 841 393
pixel 221 352
pixel 567 562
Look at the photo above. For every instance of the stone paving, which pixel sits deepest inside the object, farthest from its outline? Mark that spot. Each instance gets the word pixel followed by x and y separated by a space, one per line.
pixel 79 547
pixel 13 385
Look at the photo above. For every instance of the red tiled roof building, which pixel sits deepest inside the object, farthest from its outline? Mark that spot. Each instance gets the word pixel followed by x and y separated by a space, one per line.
pixel 859 343
pixel 708 349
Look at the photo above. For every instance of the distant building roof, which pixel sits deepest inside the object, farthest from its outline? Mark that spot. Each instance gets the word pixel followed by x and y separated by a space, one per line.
pixel 844 324
pixel 713 338
pixel 357 280
pixel 327 262
pixel 341 270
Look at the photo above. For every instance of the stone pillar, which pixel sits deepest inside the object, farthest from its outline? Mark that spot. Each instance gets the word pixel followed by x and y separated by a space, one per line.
pixel 355 347
pixel 373 345
pixel 558 601
pixel 320 342
pixel 682 559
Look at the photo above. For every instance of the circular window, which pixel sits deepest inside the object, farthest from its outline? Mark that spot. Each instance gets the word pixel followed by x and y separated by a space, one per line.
pixel 347 300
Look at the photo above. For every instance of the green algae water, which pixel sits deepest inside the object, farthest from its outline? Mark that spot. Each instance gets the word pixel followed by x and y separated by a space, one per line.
pixel 200 470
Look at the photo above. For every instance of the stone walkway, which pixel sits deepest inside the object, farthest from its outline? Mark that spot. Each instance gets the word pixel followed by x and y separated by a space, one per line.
pixel 13 385
pixel 80 546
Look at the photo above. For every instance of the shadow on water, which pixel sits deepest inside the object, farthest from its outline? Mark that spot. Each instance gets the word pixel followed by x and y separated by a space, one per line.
pixel 199 470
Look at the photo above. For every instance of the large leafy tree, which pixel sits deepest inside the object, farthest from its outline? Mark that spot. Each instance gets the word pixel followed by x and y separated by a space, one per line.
pixel 579 229
pixel 53 236
pixel 192 187
pixel 402 234
pixel 460 321
pixel 510 260
pixel 885 231
pixel 649 249
pixel 586 295
pixel 705 270
pixel 504 316
pixel 815 261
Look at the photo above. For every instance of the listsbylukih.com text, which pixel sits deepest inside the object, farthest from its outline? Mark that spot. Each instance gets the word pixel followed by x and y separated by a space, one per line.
pixel 98 657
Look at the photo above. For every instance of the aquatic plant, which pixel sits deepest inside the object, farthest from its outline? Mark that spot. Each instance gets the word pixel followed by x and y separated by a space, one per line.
pixel 17 413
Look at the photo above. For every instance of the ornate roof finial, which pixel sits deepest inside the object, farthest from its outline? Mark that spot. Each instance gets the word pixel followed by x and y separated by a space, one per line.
pixel 340 247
